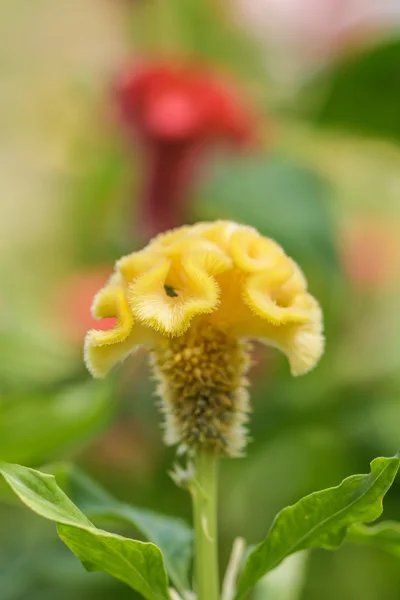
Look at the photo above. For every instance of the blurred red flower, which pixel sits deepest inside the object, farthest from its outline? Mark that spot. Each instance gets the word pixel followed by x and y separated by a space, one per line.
pixel 72 303
pixel 371 252
pixel 177 112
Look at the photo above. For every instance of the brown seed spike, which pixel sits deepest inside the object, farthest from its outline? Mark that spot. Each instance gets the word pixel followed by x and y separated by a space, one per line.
pixel 203 389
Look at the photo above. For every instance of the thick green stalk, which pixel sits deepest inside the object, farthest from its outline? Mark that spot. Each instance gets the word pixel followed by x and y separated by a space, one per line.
pixel 204 494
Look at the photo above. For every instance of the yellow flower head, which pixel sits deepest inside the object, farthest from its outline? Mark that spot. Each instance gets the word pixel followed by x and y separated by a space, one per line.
pixel 216 277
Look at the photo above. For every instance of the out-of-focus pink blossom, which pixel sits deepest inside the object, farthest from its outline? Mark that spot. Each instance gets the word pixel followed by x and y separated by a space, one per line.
pixel 177 112
pixel 371 253
pixel 306 32
pixel 72 302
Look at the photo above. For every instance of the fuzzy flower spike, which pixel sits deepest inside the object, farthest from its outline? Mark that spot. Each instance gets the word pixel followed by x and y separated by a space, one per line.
pixel 195 296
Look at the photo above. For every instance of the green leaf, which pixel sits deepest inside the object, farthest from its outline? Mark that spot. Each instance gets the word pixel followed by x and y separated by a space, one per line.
pixel 281 199
pixel 173 536
pixel 362 93
pixel 138 564
pixel 385 536
pixel 320 520
pixel 36 427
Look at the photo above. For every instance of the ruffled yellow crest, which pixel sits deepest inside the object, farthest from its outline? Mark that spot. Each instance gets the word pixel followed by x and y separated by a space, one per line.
pixel 220 273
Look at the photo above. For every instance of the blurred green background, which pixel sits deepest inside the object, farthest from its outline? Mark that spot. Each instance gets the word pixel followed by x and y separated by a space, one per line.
pixel 323 78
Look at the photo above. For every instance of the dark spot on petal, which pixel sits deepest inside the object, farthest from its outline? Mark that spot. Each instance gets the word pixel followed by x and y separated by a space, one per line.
pixel 169 290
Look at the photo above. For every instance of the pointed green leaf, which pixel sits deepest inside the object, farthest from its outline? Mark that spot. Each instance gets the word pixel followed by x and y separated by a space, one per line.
pixel 320 520
pixel 138 564
pixel 173 536
pixel 385 536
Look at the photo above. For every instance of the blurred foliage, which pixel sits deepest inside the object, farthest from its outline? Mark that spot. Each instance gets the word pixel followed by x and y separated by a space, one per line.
pixel 37 427
pixel 30 356
pixel 100 195
pixel 287 202
pixel 281 199
pixel 361 93
pixel 386 535
pixel 286 582
pixel 178 28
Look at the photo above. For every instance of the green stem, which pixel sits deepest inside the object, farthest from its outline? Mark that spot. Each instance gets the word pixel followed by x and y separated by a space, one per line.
pixel 204 493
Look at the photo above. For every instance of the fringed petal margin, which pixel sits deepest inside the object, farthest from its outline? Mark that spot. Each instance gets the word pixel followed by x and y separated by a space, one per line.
pixel 167 298
pixel 103 349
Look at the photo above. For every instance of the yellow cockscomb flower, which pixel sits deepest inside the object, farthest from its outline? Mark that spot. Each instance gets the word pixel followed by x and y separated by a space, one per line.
pixel 194 296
